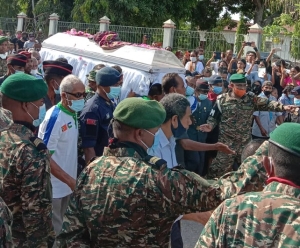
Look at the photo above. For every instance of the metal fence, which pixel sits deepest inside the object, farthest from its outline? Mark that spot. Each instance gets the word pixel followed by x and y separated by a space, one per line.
pixel 136 34
pixel 85 27
pixel 8 25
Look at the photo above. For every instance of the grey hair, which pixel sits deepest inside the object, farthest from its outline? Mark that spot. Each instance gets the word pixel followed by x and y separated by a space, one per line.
pixel 67 84
pixel 174 104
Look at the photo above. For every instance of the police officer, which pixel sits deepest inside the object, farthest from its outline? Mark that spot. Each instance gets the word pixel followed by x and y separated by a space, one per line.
pixel 194 160
pixel 54 71
pixel 15 64
pixel 25 164
pixel 98 112
pixel 233 111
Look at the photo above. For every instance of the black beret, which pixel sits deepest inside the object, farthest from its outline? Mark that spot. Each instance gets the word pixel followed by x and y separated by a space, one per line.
pixel 17 59
pixel 57 68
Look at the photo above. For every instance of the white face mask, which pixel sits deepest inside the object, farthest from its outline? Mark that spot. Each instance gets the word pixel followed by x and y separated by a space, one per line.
pixel 33 72
pixel 3 56
pixel 193 59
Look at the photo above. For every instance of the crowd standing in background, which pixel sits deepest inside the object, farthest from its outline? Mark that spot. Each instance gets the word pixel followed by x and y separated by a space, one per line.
pixel 80 168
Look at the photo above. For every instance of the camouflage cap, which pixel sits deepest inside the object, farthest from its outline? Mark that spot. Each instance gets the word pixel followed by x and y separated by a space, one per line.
pixel 138 113
pixel 92 75
pixel 5 119
pixel 286 137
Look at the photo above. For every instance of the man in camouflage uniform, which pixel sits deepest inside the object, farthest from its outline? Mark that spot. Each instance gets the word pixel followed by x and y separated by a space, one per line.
pixel 26 188
pixel 3 50
pixel 92 85
pixel 233 111
pixel 269 218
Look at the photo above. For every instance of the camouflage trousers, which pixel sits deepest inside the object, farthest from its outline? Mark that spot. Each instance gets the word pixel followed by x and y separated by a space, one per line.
pixel 224 163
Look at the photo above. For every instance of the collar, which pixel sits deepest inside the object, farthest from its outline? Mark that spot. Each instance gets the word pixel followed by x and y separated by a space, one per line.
pixel 63 109
pixel 279 186
pixel 27 125
pixel 282 180
pixel 163 140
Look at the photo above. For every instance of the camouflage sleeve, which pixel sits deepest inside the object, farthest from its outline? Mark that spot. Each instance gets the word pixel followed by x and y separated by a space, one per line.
pixel 5 225
pixel 263 104
pixel 36 195
pixel 214 116
pixel 211 235
pixel 74 231
pixel 251 176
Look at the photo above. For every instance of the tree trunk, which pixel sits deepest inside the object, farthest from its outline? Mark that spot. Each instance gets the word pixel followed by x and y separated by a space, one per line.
pixel 259 12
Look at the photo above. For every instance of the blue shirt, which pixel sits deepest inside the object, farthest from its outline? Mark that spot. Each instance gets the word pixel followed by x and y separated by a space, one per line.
pixel 94 123
pixel 165 149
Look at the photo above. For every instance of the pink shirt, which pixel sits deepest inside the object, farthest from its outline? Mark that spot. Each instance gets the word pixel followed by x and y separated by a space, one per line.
pixel 289 80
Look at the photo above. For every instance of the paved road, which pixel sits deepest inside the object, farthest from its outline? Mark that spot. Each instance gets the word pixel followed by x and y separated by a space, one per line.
pixel 190 232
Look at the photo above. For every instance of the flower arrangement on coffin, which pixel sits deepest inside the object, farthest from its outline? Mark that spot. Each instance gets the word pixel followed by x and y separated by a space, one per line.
pixel 74 32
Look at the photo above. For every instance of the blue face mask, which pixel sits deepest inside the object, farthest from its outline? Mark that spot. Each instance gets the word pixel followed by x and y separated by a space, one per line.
pixel 77 105
pixel 179 131
pixel 114 92
pixel 189 91
pixel 202 97
pixel 56 91
pixel 151 150
pixel 217 90
pixel 297 102
pixel 42 114
pixel 291 96
pixel 201 57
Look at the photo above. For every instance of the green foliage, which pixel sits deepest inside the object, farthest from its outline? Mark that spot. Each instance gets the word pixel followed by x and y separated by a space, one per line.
pixel 295 48
pixel 242 29
pixel 215 42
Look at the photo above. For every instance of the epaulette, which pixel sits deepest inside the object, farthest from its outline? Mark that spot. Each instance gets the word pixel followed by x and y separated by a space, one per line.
pixel 178 167
pixel 38 143
pixel 155 162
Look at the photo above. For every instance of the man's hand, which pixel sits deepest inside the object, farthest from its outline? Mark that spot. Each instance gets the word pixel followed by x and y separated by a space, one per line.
pixel 131 94
pixel 205 128
pixel 224 148
pixel 253 44
pixel 72 184
pixel 263 132
pixel 202 217
pixel 291 108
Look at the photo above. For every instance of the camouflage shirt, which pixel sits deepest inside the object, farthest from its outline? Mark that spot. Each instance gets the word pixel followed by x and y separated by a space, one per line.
pixel 27 191
pixel 265 219
pixel 3 67
pixel 5 226
pixel 234 115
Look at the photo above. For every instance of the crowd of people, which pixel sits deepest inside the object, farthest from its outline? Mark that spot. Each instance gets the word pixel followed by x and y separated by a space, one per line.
pixel 80 168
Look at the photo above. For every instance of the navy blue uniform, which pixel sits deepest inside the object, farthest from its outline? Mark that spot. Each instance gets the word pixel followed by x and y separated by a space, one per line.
pixel 94 123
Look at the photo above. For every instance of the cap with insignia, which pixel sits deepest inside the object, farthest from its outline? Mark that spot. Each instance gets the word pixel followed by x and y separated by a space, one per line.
pixel 5 119
pixel 286 137
pixel 57 68
pixel 92 75
pixel 24 88
pixel 2 39
pixel 238 78
pixel 107 76
pixel 138 113
pixel 16 59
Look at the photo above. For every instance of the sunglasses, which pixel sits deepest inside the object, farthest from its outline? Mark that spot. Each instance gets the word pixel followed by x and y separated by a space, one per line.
pixel 77 95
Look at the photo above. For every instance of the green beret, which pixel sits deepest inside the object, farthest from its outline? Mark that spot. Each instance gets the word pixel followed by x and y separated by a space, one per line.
pixel 138 113
pixel 238 78
pixel 24 88
pixel 92 75
pixel 286 136
pixel 2 39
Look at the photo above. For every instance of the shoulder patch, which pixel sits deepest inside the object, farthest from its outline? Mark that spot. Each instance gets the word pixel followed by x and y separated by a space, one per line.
pixel 38 143
pixel 155 162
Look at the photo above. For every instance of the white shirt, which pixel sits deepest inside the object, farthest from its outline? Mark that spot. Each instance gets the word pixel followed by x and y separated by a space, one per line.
pixel 199 66
pixel 165 149
pixel 60 134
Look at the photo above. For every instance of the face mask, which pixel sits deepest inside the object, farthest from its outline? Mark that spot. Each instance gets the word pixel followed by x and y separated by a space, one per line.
pixel 153 148
pixel 42 114
pixel 201 57
pixel 238 92
pixel 56 91
pixel 291 96
pixel 3 56
pixel 77 105
pixel 202 97
pixel 193 59
pixel 33 72
pixel 267 93
pixel 256 89
pixel 297 102
pixel 114 92
pixel 189 91
pixel 217 90
pixel 179 131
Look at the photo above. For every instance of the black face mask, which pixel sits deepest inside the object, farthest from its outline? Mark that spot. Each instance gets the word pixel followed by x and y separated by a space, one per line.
pixel 267 92
pixel 179 131
pixel 256 89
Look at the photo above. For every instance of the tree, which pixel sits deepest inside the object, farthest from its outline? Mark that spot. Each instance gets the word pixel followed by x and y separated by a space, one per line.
pixel 242 29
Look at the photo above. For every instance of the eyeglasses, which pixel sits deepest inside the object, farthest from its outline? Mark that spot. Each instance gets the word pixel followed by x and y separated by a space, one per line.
pixel 78 94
